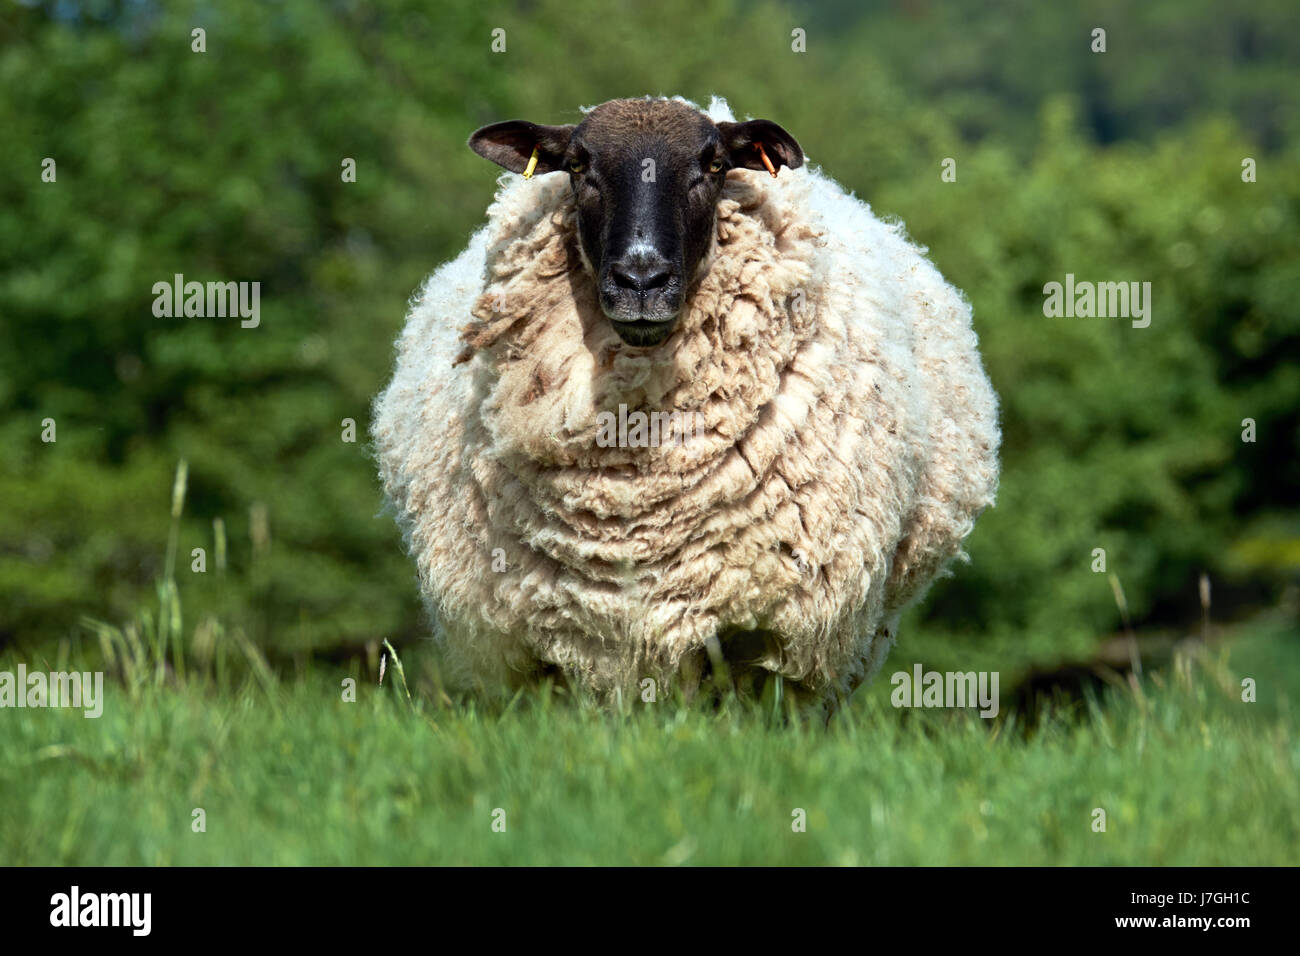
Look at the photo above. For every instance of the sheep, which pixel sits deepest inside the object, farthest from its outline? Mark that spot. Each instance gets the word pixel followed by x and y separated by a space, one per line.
pixel 836 435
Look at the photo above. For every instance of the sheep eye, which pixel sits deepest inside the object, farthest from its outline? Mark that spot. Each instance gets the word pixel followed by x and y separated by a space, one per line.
pixel 715 166
pixel 576 167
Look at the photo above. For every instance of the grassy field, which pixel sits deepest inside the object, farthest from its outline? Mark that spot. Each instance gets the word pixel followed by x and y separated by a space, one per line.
pixel 288 773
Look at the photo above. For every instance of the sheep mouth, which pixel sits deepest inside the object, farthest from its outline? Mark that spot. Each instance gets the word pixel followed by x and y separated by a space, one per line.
pixel 644 332
pixel 656 305
pixel 642 319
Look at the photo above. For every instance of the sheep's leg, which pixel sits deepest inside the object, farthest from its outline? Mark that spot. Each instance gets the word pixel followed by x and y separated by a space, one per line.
pixel 691 672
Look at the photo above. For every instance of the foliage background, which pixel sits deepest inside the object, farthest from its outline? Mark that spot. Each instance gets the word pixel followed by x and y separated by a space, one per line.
pixel 225 166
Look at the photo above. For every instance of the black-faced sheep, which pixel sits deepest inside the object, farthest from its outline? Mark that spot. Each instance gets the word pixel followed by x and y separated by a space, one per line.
pixel 823 437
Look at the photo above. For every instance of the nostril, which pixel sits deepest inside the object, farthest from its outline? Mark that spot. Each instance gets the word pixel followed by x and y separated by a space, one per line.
pixel 655 279
pixel 639 278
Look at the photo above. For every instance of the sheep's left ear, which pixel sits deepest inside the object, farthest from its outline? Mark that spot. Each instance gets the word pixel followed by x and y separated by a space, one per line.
pixel 780 146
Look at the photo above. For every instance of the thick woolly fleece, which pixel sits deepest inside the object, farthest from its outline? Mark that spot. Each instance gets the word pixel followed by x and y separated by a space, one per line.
pixel 836 439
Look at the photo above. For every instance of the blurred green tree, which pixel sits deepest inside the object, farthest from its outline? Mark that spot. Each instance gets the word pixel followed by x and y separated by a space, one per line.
pixel 227 165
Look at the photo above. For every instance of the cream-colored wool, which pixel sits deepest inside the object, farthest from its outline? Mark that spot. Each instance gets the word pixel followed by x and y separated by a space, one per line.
pixel 841 438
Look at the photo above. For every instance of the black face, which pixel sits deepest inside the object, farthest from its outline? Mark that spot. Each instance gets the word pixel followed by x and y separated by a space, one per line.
pixel 646 177
pixel 646 219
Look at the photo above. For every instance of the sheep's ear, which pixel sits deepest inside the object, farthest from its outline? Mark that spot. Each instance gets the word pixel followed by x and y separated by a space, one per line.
pixel 780 146
pixel 510 145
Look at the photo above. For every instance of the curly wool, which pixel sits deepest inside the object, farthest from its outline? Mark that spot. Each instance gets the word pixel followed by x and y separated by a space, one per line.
pixel 842 440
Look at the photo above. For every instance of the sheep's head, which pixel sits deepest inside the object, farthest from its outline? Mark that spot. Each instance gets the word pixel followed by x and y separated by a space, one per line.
pixel 646 176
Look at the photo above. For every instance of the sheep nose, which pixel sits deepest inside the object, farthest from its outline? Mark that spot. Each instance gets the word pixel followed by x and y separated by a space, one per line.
pixel 641 272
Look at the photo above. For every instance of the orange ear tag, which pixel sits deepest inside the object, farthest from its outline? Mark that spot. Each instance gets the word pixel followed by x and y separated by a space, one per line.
pixel 766 162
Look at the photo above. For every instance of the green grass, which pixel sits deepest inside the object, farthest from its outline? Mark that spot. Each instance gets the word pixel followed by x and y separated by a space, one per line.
pixel 288 773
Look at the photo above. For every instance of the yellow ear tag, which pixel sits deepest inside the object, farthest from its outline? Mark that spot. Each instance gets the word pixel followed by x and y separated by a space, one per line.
pixel 766 162
pixel 532 164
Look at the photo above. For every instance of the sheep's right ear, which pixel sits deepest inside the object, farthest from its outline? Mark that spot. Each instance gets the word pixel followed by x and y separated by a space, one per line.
pixel 510 145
